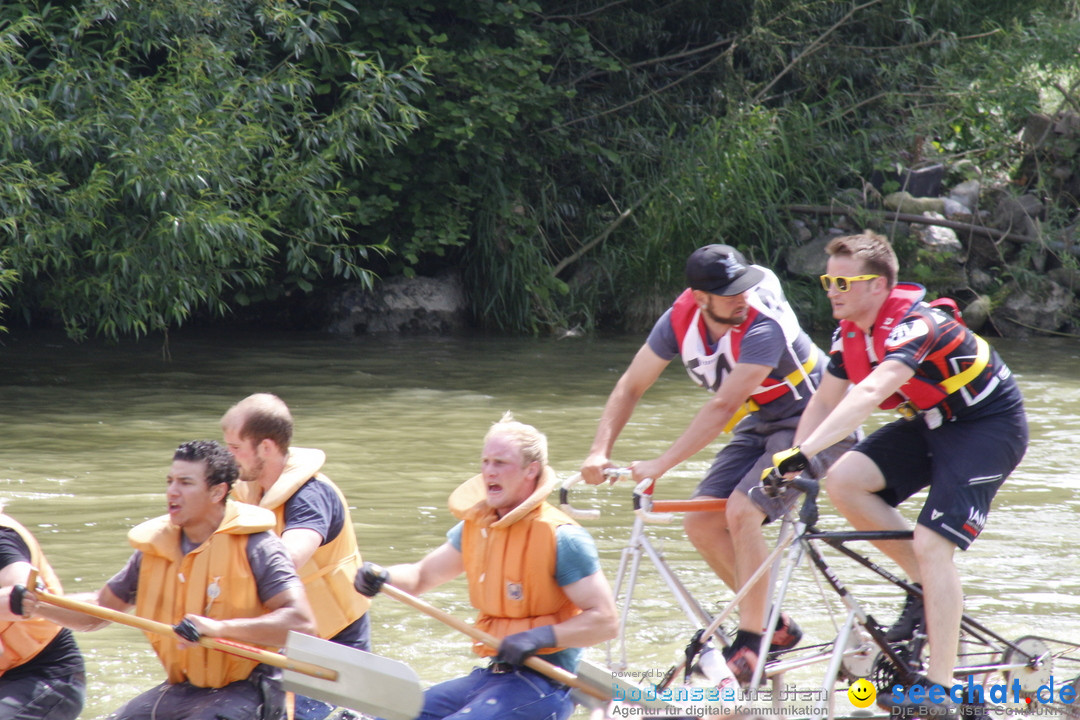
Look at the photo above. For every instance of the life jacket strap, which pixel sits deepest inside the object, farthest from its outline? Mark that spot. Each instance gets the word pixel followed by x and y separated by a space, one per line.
pixel 791 380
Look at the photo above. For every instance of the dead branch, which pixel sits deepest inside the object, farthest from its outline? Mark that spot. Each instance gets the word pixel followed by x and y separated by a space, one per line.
pixel 996 235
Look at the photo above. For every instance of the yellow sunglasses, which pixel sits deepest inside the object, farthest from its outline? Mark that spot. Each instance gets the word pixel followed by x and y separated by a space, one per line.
pixel 843 282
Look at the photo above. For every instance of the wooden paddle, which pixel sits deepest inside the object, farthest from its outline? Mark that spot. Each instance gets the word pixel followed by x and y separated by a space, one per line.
pixel 335 673
pixel 538 664
pixel 593 681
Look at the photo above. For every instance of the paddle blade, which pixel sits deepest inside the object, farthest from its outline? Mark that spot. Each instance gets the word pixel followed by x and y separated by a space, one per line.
pixel 365 682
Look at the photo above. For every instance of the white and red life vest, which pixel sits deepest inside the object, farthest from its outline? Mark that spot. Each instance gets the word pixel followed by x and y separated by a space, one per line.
pixel 708 367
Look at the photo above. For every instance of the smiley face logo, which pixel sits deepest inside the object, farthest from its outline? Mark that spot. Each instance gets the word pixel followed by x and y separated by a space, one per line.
pixel 862 693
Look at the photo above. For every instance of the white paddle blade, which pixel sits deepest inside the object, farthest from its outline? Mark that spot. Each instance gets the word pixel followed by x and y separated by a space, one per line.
pixel 365 682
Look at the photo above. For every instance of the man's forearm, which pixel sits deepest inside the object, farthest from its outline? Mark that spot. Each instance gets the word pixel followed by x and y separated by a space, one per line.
pixel 271 629
pixel 617 412
pixel 72 619
pixel 702 430
pixel 845 419
pixel 586 629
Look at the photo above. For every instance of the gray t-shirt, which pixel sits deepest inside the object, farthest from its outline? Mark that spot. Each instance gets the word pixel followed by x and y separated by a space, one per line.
pixel 270 564
pixel 762 344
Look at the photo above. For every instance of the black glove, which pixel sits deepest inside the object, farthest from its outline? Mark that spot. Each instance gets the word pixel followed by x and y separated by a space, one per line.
pixel 772 482
pixel 514 649
pixel 186 629
pixel 789 461
pixel 15 603
pixel 370 578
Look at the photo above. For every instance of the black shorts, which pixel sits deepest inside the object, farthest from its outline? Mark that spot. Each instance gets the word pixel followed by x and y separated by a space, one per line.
pixel 963 463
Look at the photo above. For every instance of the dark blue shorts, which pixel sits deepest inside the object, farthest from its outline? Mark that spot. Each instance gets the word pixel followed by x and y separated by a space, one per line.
pixel 963 463
pixel 739 464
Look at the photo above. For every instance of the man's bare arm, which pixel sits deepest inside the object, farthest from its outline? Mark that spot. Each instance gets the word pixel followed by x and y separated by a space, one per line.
pixel 643 371
pixel 709 421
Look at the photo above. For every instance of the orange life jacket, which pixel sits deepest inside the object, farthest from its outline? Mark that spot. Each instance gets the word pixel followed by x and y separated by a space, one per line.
pixel 213 580
pixel 22 640
pixel 328 575
pixel 510 566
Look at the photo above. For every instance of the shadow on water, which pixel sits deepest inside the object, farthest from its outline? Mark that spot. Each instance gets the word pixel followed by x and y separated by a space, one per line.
pixel 89 430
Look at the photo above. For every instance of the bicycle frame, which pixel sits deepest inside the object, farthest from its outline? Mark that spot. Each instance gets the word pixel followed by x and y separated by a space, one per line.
pixel 1024 659
pixel 650 511
pixel 860 640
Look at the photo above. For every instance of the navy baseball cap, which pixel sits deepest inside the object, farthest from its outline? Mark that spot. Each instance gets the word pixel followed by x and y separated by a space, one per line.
pixel 721 270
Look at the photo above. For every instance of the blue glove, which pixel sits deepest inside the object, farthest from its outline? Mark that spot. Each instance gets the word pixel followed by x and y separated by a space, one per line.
pixel 514 649
pixel 370 578
pixel 789 461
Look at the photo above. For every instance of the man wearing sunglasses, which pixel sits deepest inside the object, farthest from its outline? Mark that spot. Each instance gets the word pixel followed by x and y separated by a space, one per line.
pixel 963 430
pixel 738 337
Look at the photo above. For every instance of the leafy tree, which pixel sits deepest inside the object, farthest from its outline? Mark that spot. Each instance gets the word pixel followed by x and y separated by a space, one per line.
pixel 162 157
pixel 168 157
pixel 570 143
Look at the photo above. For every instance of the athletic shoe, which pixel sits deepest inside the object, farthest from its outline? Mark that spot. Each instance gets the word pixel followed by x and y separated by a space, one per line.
pixel 742 664
pixel 787 635
pixel 710 664
pixel 742 657
pixel 910 621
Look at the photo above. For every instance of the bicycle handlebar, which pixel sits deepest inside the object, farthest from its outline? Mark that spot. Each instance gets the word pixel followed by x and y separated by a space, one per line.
pixel 808 513
pixel 612 475
pixel 649 510
pixel 643 503
pixel 773 482
pixel 564 500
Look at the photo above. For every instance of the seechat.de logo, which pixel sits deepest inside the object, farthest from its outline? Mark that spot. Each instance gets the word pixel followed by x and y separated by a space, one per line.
pixel 972 692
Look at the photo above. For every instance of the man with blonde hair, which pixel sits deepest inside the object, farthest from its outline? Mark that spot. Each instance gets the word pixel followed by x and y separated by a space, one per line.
pixel 312 516
pixel 963 430
pixel 533 574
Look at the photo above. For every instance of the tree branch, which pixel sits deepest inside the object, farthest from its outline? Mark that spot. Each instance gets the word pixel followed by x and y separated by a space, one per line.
pixel 812 47
pixel 647 95
pixel 982 230
pixel 593 242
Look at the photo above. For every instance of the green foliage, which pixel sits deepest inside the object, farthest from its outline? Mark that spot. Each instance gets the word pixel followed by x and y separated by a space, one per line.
pixel 159 158
pixel 8 278
pixel 169 157
pixel 491 182
pixel 726 182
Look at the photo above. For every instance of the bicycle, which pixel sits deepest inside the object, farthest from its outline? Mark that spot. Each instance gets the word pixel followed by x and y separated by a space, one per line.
pixel 647 511
pixel 1026 665
pixel 860 650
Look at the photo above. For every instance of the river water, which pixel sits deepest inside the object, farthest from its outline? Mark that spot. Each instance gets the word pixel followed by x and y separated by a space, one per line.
pixel 89 429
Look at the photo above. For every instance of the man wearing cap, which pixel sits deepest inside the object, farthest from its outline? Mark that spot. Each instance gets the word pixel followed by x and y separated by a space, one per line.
pixel 737 337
